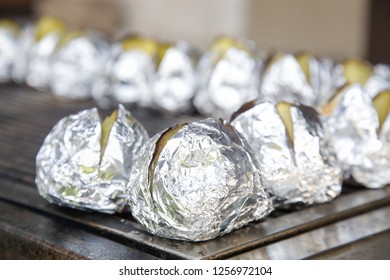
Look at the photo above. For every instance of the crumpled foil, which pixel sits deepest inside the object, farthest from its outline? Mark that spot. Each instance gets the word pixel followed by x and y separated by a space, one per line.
pixel 71 171
pixel 302 173
pixel 77 63
pixel 8 47
pixel 206 183
pixel 175 78
pixel 46 38
pixel 353 128
pixel 227 78
pixel 128 74
pixel 376 83
pixel 284 80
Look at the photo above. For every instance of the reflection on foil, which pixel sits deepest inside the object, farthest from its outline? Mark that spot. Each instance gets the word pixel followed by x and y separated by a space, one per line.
pixel 296 172
pixel 353 125
pixel 175 80
pixel 47 34
pixel 128 75
pixel 300 79
pixel 8 48
pixel 200 182
pixel 229 76
pixel 75 170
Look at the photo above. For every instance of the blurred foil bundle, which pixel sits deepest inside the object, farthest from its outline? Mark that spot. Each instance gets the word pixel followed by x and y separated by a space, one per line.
pixel 175 79
pixel 197 181
pixel 9 32
pixel 359 128
pixel 128 74
pixel 300 79
pixel 85 163
pixel 373 78
pixel 298 165
pixel 150 74
pixel 46 34
pixel 229 76
pixel 77 61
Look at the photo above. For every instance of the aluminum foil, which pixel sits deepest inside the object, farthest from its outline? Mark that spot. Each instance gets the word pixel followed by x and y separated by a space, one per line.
pixel 353 126
pixel 283 79
pixel 77 63
pixel 378 81
pixel 129 73
pixel 71 171
pixel 206 183
pixel 229 76
pixel 302 172
pixel 47 34
pixel 25 41
pixel 175 78
pixel 8 46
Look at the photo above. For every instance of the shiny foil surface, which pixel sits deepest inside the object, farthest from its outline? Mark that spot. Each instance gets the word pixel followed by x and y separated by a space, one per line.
pixel 25 41
pixel 379 80
pixel 229 80
pixel 71 171
pixel 38 73
pixel 175 79
pixel 77 64
pixel 127 77
pixel 8 52
pixel 301 173
pixel 206 183
pixel 284 80
pixel 353 128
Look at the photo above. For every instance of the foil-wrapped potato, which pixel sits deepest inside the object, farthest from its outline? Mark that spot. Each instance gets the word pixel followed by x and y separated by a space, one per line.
pixel 298 165
pixel 9 32
pixel 47 33
pixel 77 62
pixel 229 76
pixel 85 163
pixel 129 73
pixel 300 79
pixel 360 131
pixel 373 78
pixel 197 181
pixel 174 82
pixel 25 41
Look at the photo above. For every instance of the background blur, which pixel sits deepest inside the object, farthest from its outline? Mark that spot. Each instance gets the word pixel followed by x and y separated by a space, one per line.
pixel 335 28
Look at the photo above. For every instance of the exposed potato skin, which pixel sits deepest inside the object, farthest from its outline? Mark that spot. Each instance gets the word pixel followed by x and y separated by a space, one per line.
pixel 162 141
pixel 245 107
pixel 382 105
pixel 328 109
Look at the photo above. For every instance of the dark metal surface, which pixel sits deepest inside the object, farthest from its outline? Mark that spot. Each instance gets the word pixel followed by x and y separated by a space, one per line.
pixel 28 235
pixel 49 231
pixel 373 247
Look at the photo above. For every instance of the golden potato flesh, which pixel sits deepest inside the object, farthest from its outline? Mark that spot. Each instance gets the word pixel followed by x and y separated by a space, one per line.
pixel 106 129
pixel 381 104
pixel 304 60
pixel 48 25
pixel 284 110
pixel 147 45
pixel 357 71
